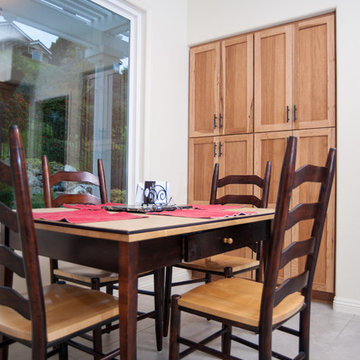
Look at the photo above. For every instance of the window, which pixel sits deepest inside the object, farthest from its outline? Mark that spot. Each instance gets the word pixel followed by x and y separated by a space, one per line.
pixel 65 82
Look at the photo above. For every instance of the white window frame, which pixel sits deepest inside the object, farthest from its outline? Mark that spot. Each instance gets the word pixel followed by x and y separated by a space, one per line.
pixel 135 158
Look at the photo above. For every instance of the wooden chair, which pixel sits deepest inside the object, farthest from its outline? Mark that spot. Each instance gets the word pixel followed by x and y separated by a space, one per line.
pixel 264 307
pixel 225 264
pixel 87 276
pixel 44 317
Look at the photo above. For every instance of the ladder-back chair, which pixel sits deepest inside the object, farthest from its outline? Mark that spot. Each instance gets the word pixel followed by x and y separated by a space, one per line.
pixel 226 264
pixel 264 307
pixel 43 317
pixel 88 276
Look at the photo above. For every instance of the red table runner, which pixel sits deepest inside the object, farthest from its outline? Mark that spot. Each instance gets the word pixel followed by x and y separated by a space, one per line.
pixel 85 216
pixel 207 212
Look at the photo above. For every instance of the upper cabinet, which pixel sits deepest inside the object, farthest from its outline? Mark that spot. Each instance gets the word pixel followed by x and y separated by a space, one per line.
pixel 294 75
pixel 221 87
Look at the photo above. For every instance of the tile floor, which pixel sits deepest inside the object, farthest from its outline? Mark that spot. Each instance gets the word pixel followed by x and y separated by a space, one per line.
pixel 334 336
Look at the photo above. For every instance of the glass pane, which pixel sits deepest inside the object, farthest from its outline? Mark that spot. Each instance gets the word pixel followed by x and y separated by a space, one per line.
pixel 64 82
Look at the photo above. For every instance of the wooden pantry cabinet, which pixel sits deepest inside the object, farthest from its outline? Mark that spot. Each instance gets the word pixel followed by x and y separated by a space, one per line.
pixel 247 94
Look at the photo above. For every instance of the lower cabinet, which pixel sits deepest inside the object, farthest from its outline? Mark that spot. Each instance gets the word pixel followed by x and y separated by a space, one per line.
pixel 234 153
pixel 312 148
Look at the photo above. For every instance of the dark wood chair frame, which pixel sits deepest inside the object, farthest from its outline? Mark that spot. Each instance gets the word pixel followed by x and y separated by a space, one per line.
pixel 27 265
pixel 96 282
pixel 273 293
pixel 255 180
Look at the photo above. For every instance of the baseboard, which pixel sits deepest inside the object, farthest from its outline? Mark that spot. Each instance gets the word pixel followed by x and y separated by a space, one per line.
pixel 346 305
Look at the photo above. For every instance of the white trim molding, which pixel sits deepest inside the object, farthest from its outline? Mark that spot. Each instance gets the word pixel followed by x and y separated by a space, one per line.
pixel 346 305
pixel 137 17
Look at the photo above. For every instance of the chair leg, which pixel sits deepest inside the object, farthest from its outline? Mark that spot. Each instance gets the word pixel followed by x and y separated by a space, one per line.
pixel 304 340
pixel 226 340
pixel 97 340
pixel 265 342
pixel 63 352
pixel 4 351
pixel 228 272
pixel 207 278
pixel 167 299
pixel 174 329
pixel 159 305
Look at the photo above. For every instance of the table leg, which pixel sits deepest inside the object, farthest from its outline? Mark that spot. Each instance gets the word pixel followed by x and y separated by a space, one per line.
pixel 128 264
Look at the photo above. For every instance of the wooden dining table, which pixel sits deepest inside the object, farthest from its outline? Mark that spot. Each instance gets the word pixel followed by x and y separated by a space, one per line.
pixel 130 247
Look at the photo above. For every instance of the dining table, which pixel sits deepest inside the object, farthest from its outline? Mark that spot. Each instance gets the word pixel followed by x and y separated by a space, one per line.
pixel 131 245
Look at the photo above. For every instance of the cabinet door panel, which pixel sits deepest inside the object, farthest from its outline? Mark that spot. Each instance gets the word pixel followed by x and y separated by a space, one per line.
pixel 313 147
pixel 201 166
pixel 204 89
pixel 237 81
pixel 273 78
pixel 237 158
pixel 270 146
pixel 314 73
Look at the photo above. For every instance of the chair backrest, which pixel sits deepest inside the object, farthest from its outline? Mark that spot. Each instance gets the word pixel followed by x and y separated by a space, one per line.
pixel 73 176
pixel 21 222
pixel 285 219
pixel 262 183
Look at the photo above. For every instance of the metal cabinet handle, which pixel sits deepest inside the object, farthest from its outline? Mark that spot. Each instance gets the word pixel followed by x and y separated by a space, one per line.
pixel 287 113
pixel 220 121
pixel 220 146
pixel 215 118
pixel 295 113
pixel 215 154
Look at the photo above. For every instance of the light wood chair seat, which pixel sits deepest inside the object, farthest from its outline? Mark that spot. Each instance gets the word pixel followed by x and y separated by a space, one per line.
pixel 68 308
pixel 237 300
pixel 84 274
pixel 219 262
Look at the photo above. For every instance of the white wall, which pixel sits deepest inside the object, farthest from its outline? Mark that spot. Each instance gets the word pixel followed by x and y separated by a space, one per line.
pixel 165 115
pixel 213 19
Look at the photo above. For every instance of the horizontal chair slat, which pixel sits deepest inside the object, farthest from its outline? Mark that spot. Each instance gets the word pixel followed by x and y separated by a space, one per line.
pixel 295 250
pixel 290 286
pixel 244 179
pixel 8 217
pixel 239 199
pixel 5 176
pixel 309 173
pixel 75 199
pixel 301 212
pixel 12 261
pixel 80 176
pixel 11 298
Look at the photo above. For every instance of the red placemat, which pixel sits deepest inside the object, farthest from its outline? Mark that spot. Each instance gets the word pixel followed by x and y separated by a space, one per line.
pixel 84 216
pixel 208 213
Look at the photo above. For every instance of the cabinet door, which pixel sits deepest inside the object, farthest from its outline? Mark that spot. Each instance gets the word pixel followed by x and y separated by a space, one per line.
pixel 204 90
pixel 273 78
pixel 202 157
pixel 236 158
pixel 237 84
pixel 314 73
pixel 313 147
